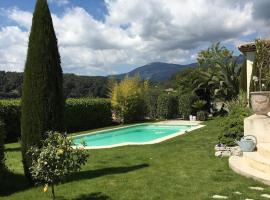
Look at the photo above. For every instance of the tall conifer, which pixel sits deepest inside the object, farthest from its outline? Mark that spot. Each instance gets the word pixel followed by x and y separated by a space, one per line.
pixel 42 98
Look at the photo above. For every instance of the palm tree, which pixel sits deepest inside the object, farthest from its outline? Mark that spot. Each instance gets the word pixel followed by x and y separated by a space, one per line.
pixel 219 77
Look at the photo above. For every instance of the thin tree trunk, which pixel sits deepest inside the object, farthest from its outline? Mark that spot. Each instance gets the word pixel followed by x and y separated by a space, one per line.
pixel 260 79
pixel 53 194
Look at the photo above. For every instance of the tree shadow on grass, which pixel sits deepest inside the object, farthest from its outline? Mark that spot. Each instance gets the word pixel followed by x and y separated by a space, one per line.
pixel 105 171
pixel 11 183
pixel 93 196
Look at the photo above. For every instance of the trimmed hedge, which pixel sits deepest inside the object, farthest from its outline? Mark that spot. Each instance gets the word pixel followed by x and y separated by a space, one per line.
pixel 87 113
pixel 2 152
pixel 10 113
pixel 80 114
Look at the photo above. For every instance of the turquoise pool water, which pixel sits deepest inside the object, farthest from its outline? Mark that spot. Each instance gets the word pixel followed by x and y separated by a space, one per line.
pixel 137 134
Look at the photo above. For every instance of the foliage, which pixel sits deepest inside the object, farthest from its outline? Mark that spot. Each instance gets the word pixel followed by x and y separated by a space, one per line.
pixel 127 99
pixel 10 113
pixel 87 113
pixel 10 84
pixel 233 124
pixel 80 114
pixel 167 106
pixel 185 103
pixel 199 105
pixel 2 150
pixel 239 102
pixel 151 100
pixel 85 86
pixel 202 115
pixel 261 68
pixel 42 96
pixel 183 80
pixel 74 86
pixel 213 55
pixel 55 160
pixel 221 78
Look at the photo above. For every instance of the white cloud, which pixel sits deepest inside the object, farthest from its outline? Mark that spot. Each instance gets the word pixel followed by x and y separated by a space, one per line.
pixel 22 18
pixel 13 42
pixel 60 2
pixel 169 31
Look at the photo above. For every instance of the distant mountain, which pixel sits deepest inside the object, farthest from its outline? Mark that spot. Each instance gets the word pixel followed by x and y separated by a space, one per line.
pixel 156 71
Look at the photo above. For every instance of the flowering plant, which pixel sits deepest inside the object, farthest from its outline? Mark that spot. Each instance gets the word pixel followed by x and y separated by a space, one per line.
pixel 55 160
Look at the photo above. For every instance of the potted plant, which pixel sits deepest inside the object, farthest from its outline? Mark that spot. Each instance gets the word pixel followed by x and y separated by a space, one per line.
pixel 260 97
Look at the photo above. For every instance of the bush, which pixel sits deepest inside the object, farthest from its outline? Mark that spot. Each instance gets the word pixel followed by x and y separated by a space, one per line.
pixel 151 100
pixel 233 126
pixel 2 151
pixel 186 102
pixel 80 114
pixel 202 115
pixel 87 113
pixel 10 113
pixel 167 106
pixel 127 98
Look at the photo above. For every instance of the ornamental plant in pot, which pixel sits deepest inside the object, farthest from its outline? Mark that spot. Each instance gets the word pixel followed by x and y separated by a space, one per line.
pixel 260 84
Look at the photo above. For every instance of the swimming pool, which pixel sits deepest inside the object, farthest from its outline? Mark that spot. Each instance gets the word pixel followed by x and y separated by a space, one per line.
pixel 132 135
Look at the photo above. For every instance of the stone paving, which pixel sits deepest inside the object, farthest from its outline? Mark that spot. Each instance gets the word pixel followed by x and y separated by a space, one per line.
pixel 259 189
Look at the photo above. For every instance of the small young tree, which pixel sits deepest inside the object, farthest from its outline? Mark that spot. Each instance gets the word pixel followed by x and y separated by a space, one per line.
pixel 42 95
pixel 261 67
pixel 55 160
pixel 127 98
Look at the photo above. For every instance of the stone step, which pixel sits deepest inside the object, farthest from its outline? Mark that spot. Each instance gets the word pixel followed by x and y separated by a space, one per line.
pixel 241 166
pixel 257 161
pixel 264 149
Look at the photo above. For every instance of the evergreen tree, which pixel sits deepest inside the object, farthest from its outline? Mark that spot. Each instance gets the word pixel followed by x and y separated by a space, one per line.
pixel 42 97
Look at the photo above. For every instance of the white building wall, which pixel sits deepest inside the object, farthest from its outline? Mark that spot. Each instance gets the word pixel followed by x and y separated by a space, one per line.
pixel 250 59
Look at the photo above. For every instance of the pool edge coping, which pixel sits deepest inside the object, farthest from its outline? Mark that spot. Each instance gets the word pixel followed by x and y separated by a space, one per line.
pixel 156 141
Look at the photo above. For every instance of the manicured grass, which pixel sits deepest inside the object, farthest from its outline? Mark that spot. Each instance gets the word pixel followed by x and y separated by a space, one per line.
pixel 180 168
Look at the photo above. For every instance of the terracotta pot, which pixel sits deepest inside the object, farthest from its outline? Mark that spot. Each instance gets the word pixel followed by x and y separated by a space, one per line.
pixel 260 102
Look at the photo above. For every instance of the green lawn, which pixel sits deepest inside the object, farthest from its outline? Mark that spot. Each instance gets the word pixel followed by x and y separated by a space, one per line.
pixel 181 168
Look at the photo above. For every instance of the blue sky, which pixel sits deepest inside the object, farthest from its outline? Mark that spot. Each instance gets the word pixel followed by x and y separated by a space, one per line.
pixel 101 37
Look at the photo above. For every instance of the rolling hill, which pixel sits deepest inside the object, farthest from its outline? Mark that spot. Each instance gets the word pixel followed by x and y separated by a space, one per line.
pixel 156 71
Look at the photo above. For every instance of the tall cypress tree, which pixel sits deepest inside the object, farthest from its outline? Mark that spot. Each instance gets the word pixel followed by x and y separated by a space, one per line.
pixel 42 98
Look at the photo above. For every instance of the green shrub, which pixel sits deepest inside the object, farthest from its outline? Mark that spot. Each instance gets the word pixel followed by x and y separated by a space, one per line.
pixel 186 102
pixel 167 106
pixel 55 160
pixel 199 105
pixel 87 113
pixel 151 100
pixel 80 114
pixel 128 99
pixel 233 126
pixel 240 101
pixel 10 113
pixel 202 115
pixel 2 150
